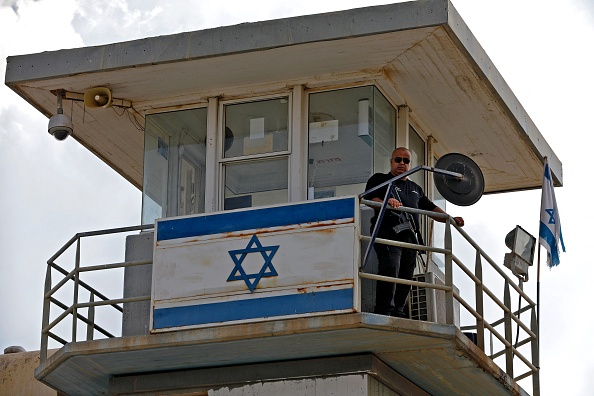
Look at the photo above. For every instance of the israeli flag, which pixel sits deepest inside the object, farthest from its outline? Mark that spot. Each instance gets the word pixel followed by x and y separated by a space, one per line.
pixel 550 223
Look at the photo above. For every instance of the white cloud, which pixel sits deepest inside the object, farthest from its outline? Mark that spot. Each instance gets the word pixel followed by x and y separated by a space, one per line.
pixel 120 20
pixel 586 7
pixel 50 190
pixel 117 20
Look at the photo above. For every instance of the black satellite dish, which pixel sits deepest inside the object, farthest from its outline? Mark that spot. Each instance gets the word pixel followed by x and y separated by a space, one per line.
pixel 463 191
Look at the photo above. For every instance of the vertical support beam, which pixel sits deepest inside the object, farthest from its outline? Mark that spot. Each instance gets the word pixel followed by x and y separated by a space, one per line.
pixel 46 314
pixel 449 275
pixel 430 193
pixel 358 301
pixel 402 126
pixel 299 146
pixel 478 291
pixel 429 162
pixel 211 189
pixel 91 318
pixel 509 355
pixel 75 299
pixel 535 355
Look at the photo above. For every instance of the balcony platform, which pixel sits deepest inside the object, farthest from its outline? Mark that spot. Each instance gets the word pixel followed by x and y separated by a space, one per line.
pixel 437 358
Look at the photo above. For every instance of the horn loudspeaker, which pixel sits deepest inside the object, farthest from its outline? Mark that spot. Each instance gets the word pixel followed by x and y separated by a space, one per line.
pixel 97 97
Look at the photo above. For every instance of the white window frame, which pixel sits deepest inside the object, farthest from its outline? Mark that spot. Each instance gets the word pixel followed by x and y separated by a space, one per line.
pixel 221 161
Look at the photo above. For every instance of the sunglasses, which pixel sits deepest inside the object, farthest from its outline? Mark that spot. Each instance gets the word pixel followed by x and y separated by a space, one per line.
pixel 401 159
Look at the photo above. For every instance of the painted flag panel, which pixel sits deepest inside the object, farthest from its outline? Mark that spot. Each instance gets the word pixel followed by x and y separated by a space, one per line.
pixel 255 263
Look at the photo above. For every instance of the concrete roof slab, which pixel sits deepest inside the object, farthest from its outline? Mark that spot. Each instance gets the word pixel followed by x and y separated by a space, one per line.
pixel 421 52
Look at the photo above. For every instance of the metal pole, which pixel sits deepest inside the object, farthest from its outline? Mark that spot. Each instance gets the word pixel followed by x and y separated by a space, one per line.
pixel 535 356
pixel 449 273
pixel 536 350
pixel 536 330
pixel 91 318
pixel 75 299
pixel 46 315
pixel 480 325
pixel 509 353
pixel 410 172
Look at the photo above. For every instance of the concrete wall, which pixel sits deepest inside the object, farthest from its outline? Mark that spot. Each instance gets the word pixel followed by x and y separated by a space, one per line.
pixel 345 385
pixel 16 375
pixel 137 282
pixel 354 375
pixel 367 285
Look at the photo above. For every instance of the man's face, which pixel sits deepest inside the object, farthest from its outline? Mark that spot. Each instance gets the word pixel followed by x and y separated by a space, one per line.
pixel 397 168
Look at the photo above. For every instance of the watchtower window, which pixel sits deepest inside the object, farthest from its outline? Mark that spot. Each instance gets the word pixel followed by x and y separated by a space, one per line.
pixel 351 136
pixel 174 164
pixel 255 166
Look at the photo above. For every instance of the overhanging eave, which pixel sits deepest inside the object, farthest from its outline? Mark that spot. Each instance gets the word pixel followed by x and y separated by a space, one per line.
pixel 423 50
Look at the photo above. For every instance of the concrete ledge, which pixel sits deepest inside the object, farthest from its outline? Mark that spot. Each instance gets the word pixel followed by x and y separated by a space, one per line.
pixel 437 358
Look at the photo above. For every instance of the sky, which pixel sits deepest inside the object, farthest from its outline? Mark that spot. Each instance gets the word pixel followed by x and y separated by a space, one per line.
pixel 51 190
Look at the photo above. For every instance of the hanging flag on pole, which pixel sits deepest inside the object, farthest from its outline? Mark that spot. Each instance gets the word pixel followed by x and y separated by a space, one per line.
pixel 550 222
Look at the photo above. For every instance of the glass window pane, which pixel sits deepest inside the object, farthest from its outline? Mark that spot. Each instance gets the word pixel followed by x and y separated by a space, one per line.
pixel 384 125
pixel 351 136
pixel 174 164
pixel 256 127
pixel 256 183
pixel 155 178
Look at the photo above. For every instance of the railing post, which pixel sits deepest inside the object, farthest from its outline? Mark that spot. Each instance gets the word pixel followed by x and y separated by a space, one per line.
pixel 478 291
pixel 75 299
pixel 509 357
pixel 449 275
pixel 46 314
pixel 535 354
pixel 91 318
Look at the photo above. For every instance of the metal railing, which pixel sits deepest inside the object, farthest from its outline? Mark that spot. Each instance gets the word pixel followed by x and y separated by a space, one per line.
pixel 96 298
pixel 510 349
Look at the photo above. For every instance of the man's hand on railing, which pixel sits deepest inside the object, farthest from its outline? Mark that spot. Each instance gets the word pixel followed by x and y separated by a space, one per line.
pixel 393 202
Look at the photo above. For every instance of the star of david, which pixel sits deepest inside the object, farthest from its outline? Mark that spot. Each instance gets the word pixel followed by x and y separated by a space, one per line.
pixel 267 270
pixel 551 213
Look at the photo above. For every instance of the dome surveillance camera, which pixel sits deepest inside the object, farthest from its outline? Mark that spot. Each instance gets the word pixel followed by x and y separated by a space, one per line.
pixel 60 126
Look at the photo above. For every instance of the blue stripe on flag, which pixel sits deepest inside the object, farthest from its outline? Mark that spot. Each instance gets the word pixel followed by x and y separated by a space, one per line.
pixel 256 218
pixel 292 304
pixel 547 237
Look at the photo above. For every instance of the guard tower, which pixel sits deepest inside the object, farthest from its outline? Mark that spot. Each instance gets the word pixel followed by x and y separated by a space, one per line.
pixel 251 145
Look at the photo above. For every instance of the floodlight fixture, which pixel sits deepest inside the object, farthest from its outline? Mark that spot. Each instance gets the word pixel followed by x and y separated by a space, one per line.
pixel 522 246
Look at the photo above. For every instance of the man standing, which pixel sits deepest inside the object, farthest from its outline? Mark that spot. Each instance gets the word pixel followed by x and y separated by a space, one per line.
pixel 395 261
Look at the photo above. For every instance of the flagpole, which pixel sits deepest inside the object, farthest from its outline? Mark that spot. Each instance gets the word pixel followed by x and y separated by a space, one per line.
pixel 538 299
pixel 538 275
pixel 538 303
